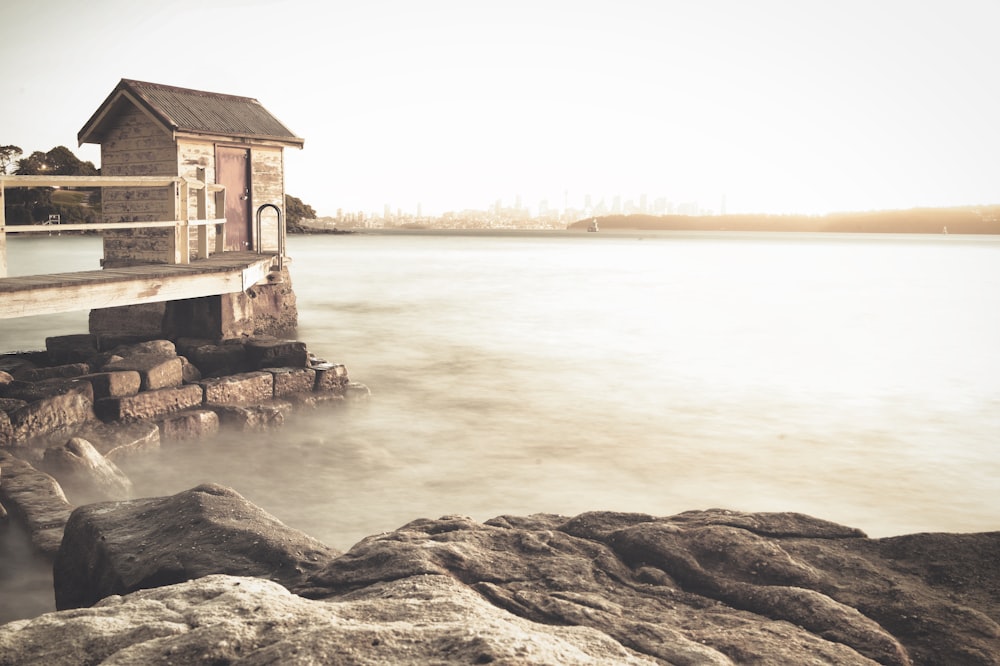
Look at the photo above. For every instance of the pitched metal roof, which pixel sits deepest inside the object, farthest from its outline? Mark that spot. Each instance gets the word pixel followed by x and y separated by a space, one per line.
pixel 181 110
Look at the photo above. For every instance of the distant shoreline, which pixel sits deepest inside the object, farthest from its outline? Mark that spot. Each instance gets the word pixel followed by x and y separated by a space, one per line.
pixel 978 220
pixel 966 220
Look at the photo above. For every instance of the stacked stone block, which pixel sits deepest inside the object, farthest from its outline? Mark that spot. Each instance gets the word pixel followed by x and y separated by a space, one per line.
pixel 188 388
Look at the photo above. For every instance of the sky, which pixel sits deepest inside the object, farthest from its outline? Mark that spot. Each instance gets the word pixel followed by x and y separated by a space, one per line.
pixel 773 106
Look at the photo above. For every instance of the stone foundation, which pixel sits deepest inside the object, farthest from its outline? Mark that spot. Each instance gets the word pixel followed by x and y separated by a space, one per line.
pixel 264 309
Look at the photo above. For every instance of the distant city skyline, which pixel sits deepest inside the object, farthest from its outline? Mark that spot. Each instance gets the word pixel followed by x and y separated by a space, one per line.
pixel 587 204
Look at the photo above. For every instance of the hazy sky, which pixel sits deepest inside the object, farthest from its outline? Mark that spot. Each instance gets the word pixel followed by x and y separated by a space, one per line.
pixel 779 105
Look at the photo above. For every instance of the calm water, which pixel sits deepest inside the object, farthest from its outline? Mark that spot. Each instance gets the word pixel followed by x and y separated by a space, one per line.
pixel 855 378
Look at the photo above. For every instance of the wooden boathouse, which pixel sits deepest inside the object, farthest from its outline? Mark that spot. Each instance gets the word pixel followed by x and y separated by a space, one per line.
pixel 192 194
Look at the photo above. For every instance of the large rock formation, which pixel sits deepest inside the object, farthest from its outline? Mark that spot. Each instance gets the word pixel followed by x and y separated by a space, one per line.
pixel 120 547
pixel 704 587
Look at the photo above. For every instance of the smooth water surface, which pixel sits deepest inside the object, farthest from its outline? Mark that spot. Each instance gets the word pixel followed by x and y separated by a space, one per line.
pixel 855 378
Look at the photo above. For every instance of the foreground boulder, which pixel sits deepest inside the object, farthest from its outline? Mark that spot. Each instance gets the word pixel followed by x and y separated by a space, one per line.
pixel 228 620
pixel 715 587
pixel 119 547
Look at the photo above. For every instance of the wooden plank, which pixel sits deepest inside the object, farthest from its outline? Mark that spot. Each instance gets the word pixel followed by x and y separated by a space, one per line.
pixel 98 226
pixel 88 296
pixel 25 228
pixel 87 181
pixel 86 290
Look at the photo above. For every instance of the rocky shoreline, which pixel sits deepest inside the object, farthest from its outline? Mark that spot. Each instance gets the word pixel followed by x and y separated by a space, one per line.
pixel 205 576
pixel 70 412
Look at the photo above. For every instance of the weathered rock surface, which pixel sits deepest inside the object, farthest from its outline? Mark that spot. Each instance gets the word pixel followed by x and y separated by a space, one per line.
pixel 120 441
pixel 713 587
pixel 52 414
pixel 80 348
pixel 330 376
pixel 147 381
pixel 46 388
pixel 119 547
pixel 292 381
pixel 114 384
pixel 157 371
pixel 261 416
pixel 218 360
pixel 318 399
pixel 84 474
pixel 146 347
pixel 150 405
pixel 241 389
pixel 190 373
pixel 6 429
pixel 230 620
pixel 703 587
pixel 53 372
pixel 10 404
pixel 37 499
pixel 269 352
pixel 189 424
pixel 10 364
pixel 356 392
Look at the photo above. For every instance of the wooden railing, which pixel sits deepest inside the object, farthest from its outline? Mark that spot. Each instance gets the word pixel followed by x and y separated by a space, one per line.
pixel 182 187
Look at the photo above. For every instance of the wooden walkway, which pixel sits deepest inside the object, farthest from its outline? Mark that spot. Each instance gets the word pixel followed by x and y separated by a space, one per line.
pixel 223 273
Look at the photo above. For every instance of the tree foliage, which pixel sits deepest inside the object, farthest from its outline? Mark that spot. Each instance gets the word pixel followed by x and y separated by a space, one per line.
pixel 28 205
pixel 60 161
pixel 296 211
pixel 8 154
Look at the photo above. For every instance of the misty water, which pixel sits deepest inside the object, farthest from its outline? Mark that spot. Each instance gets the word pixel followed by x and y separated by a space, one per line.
pixel 852 377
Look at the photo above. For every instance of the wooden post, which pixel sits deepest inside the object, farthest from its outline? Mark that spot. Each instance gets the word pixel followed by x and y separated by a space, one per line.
pixel 220 229
pixel 182 233
pixel 203 213
pixel 282 234
pixel 3 234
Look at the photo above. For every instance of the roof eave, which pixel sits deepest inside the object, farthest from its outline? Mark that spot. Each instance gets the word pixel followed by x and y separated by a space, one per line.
pixel 93 131
pixel 256 139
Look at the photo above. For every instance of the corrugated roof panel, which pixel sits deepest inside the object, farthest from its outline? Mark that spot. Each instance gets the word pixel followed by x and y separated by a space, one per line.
pixel 210 113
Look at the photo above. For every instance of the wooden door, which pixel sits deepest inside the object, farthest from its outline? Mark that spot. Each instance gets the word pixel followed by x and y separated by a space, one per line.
pixel 232 169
